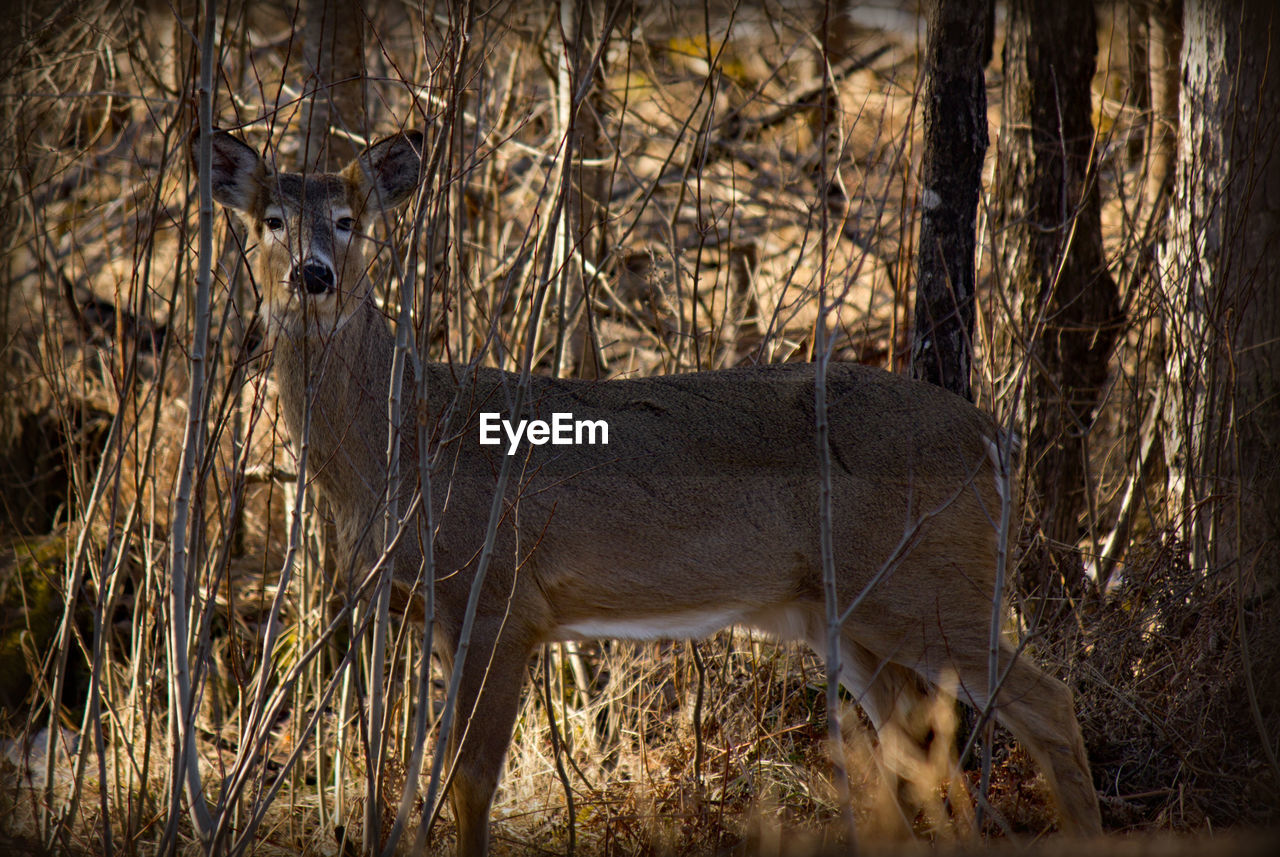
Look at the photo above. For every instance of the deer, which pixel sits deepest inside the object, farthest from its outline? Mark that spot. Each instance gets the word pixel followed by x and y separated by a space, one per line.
pixel 700 512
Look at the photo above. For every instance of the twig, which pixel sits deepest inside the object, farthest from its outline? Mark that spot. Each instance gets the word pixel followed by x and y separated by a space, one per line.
pixel 186 762
pixel 558 750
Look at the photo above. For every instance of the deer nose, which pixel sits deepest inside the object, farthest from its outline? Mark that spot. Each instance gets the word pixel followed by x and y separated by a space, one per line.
pixel 314 276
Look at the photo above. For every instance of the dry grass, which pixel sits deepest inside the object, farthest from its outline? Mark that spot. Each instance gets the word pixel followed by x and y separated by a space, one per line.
pixel 710 178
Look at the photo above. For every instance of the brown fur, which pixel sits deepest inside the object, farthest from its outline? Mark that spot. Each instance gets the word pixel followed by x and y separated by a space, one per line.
pixel 702 510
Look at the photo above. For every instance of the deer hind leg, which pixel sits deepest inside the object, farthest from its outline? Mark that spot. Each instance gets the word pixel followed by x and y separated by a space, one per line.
pixel 893 697
pixel 903 708
pixel 890 694
pixel 487 705
pixel 1038 710
pixel 883 689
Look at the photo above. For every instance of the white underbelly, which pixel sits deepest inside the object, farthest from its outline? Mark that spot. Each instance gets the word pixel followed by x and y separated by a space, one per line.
pixel 787 623
pixel 665 626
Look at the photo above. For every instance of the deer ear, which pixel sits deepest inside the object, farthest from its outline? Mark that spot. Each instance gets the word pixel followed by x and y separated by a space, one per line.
pixel 388 172
pixel 237 170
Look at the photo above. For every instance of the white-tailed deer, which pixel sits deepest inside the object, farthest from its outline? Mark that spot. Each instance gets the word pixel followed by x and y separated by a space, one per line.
pixel 700 512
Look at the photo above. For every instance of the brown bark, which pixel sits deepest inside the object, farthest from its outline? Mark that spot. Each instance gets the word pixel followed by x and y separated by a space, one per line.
pixel 1137 38
pixel 1221 273
pixel 335 108
pixel 955 143
pixel 1049 240
pixel 1164 44
pixel 582 28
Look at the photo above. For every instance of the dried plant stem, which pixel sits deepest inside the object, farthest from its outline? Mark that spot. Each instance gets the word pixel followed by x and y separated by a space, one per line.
pixel 835 626
pixel 182 693
pixel 558 750
pixel 450 126
pixel 447 718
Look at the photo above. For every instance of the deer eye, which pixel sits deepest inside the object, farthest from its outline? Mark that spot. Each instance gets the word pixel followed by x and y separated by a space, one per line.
pixel 346 224
pixel 275 224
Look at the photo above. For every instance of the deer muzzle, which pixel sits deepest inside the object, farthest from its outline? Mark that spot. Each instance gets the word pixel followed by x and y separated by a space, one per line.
pixel 313 276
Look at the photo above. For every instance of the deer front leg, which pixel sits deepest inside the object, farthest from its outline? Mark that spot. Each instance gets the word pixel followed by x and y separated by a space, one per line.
pixel 487 705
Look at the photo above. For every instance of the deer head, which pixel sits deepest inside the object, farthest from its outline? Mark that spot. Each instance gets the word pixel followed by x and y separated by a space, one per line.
pixel 308 233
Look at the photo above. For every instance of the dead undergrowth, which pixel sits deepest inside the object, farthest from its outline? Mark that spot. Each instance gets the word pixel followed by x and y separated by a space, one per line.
pixel 708 177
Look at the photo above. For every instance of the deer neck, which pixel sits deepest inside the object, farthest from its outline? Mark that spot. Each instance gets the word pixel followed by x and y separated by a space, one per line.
pixel 333 393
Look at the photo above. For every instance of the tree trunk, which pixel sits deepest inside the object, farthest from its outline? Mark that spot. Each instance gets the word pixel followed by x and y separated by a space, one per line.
pixel 334 119
pixel 1138 98
pixel 955 143
pixel 1164 44
pixel 584 234
pixel 1221 273
pixel 1222 285
pixel 1049 240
